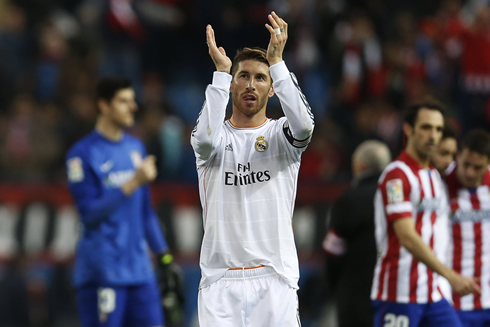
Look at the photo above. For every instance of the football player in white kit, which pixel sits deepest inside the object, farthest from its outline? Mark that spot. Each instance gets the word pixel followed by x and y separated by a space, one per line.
pixel 248 168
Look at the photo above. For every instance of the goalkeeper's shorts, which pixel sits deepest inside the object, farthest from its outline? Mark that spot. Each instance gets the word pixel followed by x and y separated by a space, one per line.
pixel 116 306
pixel 249 297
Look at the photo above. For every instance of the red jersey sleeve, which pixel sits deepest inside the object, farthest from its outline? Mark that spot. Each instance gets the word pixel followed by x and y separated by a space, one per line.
pixel 396 189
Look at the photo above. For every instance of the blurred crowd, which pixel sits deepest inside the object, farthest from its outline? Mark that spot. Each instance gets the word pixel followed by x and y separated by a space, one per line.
pixel 358 63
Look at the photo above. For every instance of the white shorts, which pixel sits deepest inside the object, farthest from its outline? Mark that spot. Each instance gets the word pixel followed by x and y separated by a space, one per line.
pixel 249 298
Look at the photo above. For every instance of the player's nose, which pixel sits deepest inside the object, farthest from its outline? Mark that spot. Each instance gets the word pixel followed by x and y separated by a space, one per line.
pixel 251 84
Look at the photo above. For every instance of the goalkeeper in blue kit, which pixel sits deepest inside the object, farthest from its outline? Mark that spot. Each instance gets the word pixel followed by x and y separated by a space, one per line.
pixel 108 175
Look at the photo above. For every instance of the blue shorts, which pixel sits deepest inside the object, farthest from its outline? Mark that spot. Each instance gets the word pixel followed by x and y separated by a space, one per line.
pixel 475 318
pixel 392 314
pixel 118 306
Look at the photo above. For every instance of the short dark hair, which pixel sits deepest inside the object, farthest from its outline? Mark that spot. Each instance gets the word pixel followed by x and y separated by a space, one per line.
pixel 412 110
pixel 107 87
pixel 449 131
pixel 257 54
pixel 477 140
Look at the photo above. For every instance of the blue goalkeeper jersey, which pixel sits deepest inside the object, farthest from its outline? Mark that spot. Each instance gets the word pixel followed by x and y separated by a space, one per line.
pixel 117 229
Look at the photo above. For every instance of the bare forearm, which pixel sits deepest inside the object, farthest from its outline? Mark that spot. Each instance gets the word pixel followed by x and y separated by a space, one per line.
pixel 423 253
pixel 411 240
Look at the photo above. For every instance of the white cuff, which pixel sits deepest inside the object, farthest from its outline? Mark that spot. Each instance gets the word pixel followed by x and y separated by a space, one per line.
pixel 334 244
pixel 279 71
pixel 399 207
pixel 222 80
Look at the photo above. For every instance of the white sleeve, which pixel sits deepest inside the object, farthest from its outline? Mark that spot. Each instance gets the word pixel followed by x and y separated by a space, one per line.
pixel 206 135
pixel 299 125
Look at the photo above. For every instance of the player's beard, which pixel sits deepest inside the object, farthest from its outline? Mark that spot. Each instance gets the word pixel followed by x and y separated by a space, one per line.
pixel 423 150
pixel 249 111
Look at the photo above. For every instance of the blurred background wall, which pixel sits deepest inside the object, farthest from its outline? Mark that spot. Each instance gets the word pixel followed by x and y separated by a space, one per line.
pixel 357 61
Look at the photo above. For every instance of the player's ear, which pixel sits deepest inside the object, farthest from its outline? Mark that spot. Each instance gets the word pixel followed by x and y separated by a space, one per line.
pixel 103 106
pixel 407 129
pixel 232 83
pixel 271 92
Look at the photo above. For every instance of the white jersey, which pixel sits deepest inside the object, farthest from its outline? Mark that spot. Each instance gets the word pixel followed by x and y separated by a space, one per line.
pixel 247 181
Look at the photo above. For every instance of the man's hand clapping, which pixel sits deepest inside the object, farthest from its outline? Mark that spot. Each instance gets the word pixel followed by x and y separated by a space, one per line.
pixel 279 36
pixel 144 174
pixel 147 171
pixel 221 61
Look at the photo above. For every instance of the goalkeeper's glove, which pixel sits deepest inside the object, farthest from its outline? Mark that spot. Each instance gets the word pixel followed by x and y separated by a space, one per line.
pixel 171 282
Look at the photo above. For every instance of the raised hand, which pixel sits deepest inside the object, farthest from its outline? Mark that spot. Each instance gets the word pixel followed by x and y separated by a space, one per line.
pixel 221 61
pixel 279 36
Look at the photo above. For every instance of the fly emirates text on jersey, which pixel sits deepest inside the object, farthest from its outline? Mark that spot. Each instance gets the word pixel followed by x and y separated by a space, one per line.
pixel 245 176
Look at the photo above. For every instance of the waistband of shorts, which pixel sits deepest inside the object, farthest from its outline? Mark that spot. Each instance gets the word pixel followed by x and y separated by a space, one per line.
pixel 249 273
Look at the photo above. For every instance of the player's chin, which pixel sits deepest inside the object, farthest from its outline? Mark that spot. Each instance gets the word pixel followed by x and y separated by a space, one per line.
pixel 470 182
pixel 249 105
pixel 430 149
pixel 248 111
pixel 129 122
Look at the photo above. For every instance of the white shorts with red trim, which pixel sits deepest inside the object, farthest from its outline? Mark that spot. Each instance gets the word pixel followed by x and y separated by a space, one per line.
pixel 249 298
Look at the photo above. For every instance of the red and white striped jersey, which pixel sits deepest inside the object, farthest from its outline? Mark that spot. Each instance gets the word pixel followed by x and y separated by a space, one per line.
pixel 470 238
pixel 406 189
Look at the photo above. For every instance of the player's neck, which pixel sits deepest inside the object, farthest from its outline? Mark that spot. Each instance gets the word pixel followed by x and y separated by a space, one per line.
pixel 422 160
pixel 108 129
pixel 238 119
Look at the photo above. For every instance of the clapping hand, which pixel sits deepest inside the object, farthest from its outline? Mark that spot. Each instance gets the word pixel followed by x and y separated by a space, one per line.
pixel 222 62
pixel 279 36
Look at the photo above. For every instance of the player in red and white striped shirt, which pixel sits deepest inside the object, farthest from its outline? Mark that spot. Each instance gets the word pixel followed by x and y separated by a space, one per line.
pixel 442 159
pixel 409 199
pixel 468 187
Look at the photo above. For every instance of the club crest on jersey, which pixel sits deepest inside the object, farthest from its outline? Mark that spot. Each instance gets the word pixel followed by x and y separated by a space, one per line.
pixel 394 190
pixel 75 170
pixel 261 145
pixel 136 159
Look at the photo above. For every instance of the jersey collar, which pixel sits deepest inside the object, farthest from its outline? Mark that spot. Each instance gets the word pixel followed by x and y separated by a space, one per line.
pixel 253 127
pixel 411 162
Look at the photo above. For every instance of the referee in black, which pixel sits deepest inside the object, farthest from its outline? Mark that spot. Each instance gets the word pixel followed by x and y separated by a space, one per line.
pixel 350 243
